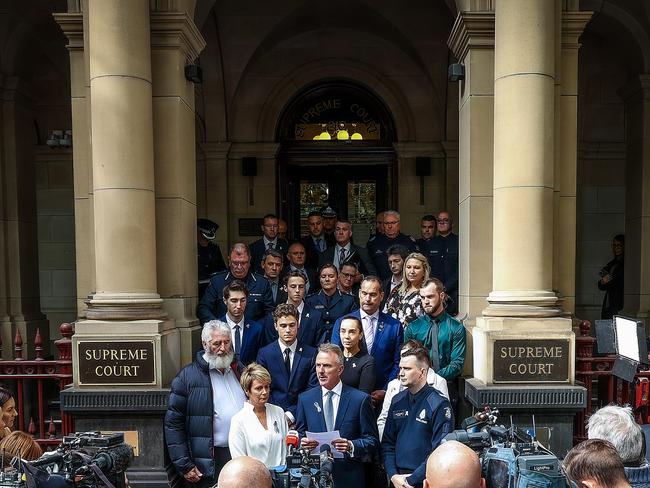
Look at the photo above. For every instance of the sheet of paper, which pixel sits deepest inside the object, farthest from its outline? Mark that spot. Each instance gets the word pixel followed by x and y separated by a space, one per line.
pixel 626 338
pixel 325 438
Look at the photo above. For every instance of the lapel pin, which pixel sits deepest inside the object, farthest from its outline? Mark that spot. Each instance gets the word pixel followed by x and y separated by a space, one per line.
pixel 354 365
pixel 248 325
pixel 317 407
pixel 300 350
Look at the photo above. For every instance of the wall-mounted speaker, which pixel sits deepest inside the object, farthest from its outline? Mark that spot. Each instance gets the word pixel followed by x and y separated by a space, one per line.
pixel 249 166
pixel 422 166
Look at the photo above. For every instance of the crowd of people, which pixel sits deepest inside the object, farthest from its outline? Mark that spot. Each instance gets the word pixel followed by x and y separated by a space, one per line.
pixel 309 335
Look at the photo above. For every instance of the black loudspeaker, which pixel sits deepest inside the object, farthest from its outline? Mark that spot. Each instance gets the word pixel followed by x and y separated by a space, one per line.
pixel 194 73
pixel 422 166
pixel 249 166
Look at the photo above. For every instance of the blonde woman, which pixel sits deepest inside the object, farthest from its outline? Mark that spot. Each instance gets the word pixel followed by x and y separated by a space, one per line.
pixel 259 429
pixel 406 305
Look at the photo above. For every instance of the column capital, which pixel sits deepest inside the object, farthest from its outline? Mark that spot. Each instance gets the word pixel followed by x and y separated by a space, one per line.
pixel 471 30
pixel 573 25
pixel 176 30
pixel 636 90
pixel 263 150
pixel 72 26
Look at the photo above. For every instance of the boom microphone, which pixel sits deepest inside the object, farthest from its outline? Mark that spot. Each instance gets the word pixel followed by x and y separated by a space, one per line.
pixel 115 459
pixel 292 441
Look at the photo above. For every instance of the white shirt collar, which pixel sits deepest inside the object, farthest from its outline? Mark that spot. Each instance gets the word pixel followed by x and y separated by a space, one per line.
pixel 301 307
pixel 267 242
pixel 363 314
pixel 346 247
pixel 337 389
pixel 232 323
pixel 292 347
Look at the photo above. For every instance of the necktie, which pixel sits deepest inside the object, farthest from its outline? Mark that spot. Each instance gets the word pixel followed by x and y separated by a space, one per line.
pixel 270 246
pixel 287 361
pixel 341 257
pixel 329 411
pixel 274 290
pixel 370 336
pixel 237 340
pixel 321 247
pixel 435 356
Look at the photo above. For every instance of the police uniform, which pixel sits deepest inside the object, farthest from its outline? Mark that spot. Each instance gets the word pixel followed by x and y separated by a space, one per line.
pixel 415 426
pixel 210 262
pixel 331 308
pixel 427 248
pixel 259 303
pixel 378 246
pixel 445 267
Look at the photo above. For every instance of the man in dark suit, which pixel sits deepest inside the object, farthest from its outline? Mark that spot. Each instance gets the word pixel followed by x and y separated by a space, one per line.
pixel 247 335
pixel 335 406
pixel 272 266
pixel 445 259
pixel 315 243
pixel 346 252
pixel 269 240
pixel 290 362
pixel 297 262
pixel 382 336
pixel 260 299
pixel 309 331
pixel 396 256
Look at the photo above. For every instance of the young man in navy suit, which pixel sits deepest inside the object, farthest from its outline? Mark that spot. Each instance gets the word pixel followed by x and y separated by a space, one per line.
pixel 269 240
pixel 333 406
pixel 290 362
pixel 309 329
pixel 382 336
pixel 247 335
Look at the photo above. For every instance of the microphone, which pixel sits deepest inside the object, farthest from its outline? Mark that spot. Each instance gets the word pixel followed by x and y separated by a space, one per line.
pixel 292 441
pixel 115 459
pixel 326 466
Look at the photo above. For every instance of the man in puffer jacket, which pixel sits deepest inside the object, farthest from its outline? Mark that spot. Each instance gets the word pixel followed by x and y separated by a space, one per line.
pixel 617 425
pixel 204 397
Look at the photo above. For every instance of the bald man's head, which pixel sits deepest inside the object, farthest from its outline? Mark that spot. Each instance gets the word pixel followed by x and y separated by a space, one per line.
pixel 244 472
pixel 453 465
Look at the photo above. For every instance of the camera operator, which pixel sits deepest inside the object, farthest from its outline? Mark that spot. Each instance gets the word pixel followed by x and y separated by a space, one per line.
pixel 418 419
pixel 19 444
pixel 617 425
pixel 244 472
pixel 453 465
pixel 595 463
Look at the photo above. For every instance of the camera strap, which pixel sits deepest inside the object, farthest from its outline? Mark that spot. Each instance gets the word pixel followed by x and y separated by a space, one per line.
pixel 95 469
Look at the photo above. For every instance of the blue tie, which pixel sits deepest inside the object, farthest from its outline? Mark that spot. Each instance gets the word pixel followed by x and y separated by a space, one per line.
pixel 329 411
pixel 237 340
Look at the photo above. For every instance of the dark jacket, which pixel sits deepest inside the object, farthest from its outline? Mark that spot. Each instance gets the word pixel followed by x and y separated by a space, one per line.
pixel 613 299
pixel 188 421
pixel 257 250
pixel 339 305
pixel 358 255
pixel 260 299
pixel 443 256
pixel 311 251
pixel 378 246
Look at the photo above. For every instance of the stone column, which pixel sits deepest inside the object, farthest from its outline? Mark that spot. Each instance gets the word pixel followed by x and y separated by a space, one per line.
pixel 566 159
pixel 175 43
pixel 72 25
pixel 472 42
pixel 19 281
pixel 524 352
pixel 213 205
pixel 637 197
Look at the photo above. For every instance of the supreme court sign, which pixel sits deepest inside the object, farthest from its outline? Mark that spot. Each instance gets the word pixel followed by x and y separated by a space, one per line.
pixel 531 360
pixel 116 362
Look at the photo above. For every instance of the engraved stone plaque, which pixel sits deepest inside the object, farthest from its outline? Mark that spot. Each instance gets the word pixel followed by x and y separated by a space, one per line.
pixel 531 360
pixel 116 362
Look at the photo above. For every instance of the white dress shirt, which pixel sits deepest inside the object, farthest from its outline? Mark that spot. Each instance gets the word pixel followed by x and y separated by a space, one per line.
pixel 337 254
pixel 292 349
pixel 227 399
pixel 335 399
pixel 365 321
pixel 248 437
pixel 395 386
pixel 232 325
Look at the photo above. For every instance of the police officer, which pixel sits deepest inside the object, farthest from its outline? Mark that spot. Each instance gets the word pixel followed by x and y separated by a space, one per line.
pixel 418 419
pixel 444 259
pixel 260 298
pixel 329 223
pixel 427 235
pixel 378 244
pixel 329 301
pixel 209 255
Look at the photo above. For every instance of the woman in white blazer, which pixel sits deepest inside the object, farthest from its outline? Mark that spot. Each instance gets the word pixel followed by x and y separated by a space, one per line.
pixel 259 429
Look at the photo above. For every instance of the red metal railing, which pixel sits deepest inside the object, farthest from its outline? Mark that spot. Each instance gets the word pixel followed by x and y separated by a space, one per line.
pixel 603 388
pixel 31 379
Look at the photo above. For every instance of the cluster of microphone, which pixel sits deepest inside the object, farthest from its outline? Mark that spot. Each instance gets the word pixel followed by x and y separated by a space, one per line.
pixel 314 470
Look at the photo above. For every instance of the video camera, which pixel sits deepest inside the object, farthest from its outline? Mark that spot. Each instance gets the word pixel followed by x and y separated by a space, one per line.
pixel 510 457
pixel 83 459
pixel 303 469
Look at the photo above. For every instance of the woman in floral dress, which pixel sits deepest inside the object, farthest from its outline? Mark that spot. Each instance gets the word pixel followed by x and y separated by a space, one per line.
pixel 405 305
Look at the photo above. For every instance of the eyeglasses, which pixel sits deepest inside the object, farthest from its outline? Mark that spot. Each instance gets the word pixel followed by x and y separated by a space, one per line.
pixel 271 226
pixel 391 223
pixel 348 275
pixel 444 220
pixel 239 264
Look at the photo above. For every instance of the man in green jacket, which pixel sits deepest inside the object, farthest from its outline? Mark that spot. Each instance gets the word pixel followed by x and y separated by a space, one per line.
pixel 441 334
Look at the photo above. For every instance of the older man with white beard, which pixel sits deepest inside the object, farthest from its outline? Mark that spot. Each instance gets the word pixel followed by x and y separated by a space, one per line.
pixel 204 397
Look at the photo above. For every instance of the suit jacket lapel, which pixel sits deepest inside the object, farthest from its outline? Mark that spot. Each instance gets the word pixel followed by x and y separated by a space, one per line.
pixel 297 357
pixel 343 406
pixel 379 331
pixel 317 405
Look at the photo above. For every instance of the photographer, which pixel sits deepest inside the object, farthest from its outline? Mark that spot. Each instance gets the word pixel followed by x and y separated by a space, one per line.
pixel 612 279
pixel 453 465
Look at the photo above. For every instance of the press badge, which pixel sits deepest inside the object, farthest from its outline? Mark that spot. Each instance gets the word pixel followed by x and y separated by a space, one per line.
pixel 400 414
